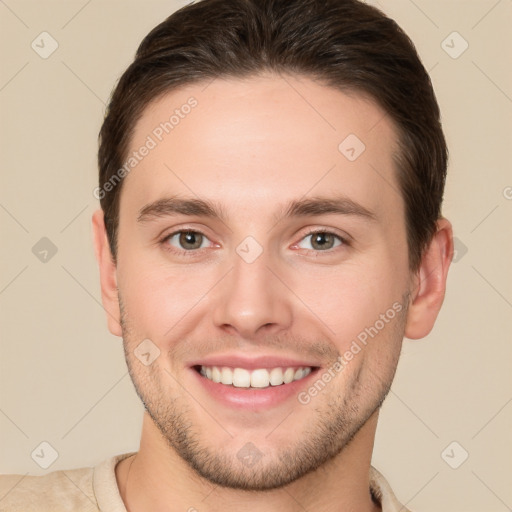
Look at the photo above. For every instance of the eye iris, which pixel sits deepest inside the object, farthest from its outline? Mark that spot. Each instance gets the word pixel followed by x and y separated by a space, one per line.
pixel 323 240
pixel 189 237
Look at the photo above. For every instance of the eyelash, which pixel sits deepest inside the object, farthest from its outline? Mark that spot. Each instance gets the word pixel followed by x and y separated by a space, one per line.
pixel 193 252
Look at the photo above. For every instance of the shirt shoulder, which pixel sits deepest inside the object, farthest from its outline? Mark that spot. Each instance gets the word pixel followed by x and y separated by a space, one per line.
pixel 58 490
pixel 94 489
pixel 88 489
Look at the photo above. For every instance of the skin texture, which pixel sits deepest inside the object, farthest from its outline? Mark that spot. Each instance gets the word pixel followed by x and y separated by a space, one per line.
pixel 251 146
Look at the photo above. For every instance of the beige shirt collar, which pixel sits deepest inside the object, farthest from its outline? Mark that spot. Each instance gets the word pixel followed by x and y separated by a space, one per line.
pixel 109 500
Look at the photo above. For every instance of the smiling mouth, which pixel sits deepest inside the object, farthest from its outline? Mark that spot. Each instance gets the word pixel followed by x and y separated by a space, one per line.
pixel 260 378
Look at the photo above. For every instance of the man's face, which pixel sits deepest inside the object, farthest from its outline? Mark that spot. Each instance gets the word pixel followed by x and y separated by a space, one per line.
pixel 254 289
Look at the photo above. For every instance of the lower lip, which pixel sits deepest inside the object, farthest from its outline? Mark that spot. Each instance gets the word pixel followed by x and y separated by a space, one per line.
pixel 254 398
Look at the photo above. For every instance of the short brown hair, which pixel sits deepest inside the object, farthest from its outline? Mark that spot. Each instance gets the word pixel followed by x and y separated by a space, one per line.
pixel 345 44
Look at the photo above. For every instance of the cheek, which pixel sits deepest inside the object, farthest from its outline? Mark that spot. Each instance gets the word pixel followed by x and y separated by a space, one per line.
pixel 350 300
pixel 157 297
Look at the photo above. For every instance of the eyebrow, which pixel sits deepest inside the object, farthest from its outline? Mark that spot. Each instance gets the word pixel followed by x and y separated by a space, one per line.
pixel 313 206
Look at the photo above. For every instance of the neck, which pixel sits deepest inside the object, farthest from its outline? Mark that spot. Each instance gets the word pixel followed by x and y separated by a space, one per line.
pixel 156 478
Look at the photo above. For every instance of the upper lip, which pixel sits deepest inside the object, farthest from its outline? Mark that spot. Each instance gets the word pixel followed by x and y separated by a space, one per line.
pixel 252 363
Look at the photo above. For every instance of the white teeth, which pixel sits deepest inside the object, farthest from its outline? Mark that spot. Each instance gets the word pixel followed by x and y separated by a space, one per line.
pixel 276 377
pixel 300 373
pixel 216 375
pixel 241 378
pixel 288 375
pixel 260 378
pixel 226 376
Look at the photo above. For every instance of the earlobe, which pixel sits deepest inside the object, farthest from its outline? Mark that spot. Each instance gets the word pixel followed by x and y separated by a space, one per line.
pixel 108 273
pixel 429 288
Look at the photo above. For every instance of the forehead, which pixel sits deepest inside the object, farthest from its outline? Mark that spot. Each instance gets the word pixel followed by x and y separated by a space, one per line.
pixel 265 139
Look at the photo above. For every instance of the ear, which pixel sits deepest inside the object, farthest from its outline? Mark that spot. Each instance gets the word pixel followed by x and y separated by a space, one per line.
pixel 108 273
pixel 429 284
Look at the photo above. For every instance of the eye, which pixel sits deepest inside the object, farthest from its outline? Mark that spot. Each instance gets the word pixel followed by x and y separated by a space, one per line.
pixel 187 240
pixel 322 241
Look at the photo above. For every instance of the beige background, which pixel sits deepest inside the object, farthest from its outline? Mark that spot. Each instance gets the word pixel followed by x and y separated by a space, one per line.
pixel 63 376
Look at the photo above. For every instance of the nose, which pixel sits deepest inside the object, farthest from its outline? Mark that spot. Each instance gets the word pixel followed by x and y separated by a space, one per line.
pixel 252 300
